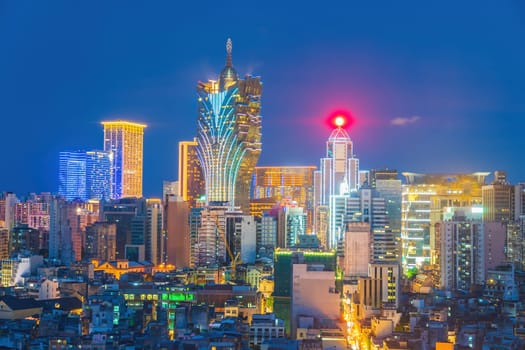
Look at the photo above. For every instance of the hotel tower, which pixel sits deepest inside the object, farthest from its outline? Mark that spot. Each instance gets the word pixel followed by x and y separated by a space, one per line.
pixel 125 141
pixel 229 134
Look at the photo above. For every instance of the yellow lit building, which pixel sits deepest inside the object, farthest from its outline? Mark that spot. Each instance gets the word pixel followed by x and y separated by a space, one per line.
pixel 426 200
pixel 119 267
pixel 191 180
pixel 125 140
pixel 275 183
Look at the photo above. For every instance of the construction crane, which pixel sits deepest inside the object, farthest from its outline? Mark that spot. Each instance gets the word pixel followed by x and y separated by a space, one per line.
pixel 235 259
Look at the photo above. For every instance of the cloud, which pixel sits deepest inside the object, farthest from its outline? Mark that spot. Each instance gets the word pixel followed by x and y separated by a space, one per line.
pixel 402 121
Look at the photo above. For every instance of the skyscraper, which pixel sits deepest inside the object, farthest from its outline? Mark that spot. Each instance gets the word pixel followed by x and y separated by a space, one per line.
pixel 191 181
pixel 84 175
pixel 229 134
pixel 72 175
pixel 295 183
pixel 338 175
pixel 98 175
pixel 125 141
pixel 425 197
pixel 498 199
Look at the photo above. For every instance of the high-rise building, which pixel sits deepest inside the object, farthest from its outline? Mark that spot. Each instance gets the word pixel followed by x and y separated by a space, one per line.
pixel 462 258
pixel 98 175
pixel 313 294
pixel 72 175
pixel 101 241
pixel 154 238
pixel 357 254
pixel 338 175
pixel 425 200
pixel 125 140
pixel 385 284
pixel 498 201
pixel 389 187
pixel 191 179
pixel 85 175
pixel 176 225
pixel 284 260
pixel 124 213
pixel 170 188
pixel 291 223
pixel 229 134
pixel 295 183
pixel 519 200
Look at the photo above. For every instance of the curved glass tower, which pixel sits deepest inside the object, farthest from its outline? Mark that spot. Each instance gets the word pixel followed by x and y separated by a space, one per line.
pixel 229 134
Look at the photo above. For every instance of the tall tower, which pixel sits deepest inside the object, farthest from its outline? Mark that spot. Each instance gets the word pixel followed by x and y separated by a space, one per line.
pixel 191 182
pixel 125 140
pixel 337 176
pixel 229 134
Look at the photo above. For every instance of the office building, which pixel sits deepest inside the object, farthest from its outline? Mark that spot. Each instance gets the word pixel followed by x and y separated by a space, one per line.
pixel 519 200
pixel 284 259
pixel 498 201
pixel 191 185
pixel 127 214
pixel 84 175
pixel 462 258
pixel 98 175
pixel 385 284
pixel 229 134
pixel 72 175
pixel 124 140
pixel 211 237
pixel 101 241
pixel 295 183
pixel 389 187
pixel 291 223
pixel 357 249
pixel 177 228
pixel 425 199
pixel 338 175
pixel 314 295
pixel 515 249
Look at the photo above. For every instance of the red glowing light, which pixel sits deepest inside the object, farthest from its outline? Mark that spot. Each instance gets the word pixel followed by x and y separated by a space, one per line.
pixel 340 119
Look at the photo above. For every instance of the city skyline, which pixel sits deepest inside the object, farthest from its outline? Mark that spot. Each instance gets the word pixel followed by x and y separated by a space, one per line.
pixel 458 85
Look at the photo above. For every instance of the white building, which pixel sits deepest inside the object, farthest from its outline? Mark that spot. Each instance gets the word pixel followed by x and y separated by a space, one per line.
pixel 357 251
pixel 265 327
pixel 462 253
pixel 14 270
pixel 48 290
pixel 338 174
pixel 313 294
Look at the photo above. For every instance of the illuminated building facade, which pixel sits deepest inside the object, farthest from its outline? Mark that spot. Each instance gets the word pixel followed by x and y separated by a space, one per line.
pixel 497 198
pixel 229 134
pixel 125 141
pixel 425 200
pixel 210 246
pixel 191 180
pixel 98 175
pixel 462 253
pixel 295 183
pixel 338 175
pixel 84 175
pixel 72 175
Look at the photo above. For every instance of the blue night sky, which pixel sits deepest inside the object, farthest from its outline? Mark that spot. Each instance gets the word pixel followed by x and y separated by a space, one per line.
pixel 433 86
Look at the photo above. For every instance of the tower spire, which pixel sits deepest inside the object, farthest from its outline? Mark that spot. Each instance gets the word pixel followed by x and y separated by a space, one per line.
pixel 229 53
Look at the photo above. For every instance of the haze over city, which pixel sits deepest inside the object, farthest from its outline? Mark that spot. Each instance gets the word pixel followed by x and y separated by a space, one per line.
pixel 432 87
